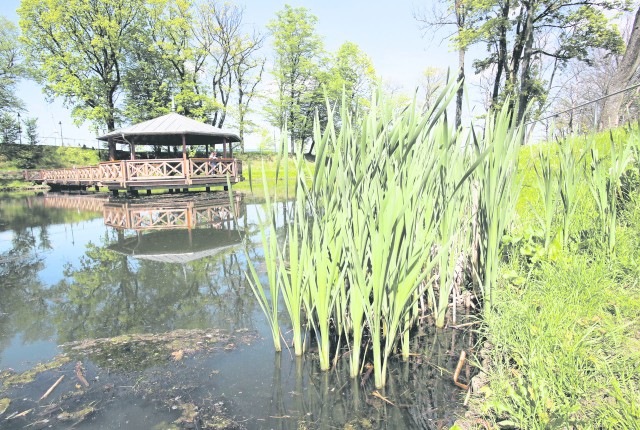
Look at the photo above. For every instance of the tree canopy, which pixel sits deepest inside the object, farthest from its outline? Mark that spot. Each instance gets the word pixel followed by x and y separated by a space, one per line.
pixel 11 65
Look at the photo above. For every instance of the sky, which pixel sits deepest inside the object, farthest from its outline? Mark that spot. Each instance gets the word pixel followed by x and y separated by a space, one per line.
pixel 387 31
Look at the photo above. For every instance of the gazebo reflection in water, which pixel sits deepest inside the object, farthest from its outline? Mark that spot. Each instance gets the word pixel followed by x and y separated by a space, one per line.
pixel 170 229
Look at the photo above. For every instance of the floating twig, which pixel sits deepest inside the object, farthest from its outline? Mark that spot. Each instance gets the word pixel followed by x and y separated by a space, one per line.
pixel 464 325
pixel 80 374
pixel 381 397
pixel 20 415
pixel 53 387
pixel 463 356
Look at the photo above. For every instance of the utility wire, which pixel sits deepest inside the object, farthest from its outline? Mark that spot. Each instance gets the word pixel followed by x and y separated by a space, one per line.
pixel 584 104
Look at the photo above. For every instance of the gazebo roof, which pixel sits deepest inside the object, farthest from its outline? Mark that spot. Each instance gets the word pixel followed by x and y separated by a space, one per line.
pixel 178 245
pixel 168 130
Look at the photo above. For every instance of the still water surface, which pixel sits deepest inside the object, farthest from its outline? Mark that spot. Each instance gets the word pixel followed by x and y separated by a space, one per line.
pixel 183 344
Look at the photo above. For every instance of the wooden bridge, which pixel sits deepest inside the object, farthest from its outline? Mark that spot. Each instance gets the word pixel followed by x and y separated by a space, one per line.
pixel 135 175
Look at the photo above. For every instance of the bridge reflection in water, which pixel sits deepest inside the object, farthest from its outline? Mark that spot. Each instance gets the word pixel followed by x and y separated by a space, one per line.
pixel 175 229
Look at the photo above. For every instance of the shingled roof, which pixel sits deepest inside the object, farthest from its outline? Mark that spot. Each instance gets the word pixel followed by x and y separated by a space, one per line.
pixel 168 130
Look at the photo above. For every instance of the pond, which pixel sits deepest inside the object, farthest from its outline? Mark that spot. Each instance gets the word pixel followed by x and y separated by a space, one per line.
pixel 137 314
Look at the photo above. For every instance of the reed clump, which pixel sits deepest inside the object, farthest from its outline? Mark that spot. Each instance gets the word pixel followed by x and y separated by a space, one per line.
pixel 382 223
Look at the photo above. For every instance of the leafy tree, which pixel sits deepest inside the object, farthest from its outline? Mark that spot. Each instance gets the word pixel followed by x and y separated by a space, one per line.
pixel 11 67
pixel 522 37
pixel 218 27
pixel 81 48
pixel 247 71
pixel 267 142
pixel 147 84
pixel 31 131
pixel 353 72
pixel 9 129
pixel 234 67
pixel 297 50
pixel 169 34
pixel 432 82
pixel 347 76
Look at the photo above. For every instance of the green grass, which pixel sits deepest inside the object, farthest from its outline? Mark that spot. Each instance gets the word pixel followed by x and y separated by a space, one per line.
pixel 564 332
pixel 252 168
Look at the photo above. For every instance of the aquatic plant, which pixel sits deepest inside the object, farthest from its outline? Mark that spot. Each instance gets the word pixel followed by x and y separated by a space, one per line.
pixel 498 193
pixel 383 211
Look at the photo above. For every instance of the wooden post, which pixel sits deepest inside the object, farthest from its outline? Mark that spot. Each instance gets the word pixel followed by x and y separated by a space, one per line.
pixel 125 175
pixel 112 149
pixel 184 146
pixel 132 148
pixel 224 148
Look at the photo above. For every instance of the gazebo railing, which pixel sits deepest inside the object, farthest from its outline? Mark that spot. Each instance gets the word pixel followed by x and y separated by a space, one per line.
pixel 217 167
pixel 129 172
pixel 181 214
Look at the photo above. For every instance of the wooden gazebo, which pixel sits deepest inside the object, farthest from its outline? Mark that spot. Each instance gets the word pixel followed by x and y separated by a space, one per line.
pixel 168 173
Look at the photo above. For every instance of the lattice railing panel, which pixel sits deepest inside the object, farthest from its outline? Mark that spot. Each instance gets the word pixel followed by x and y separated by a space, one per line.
pixel 161 218
pixel 154 169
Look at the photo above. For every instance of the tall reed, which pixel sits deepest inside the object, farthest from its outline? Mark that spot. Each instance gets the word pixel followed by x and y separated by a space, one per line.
pixel 387 190
pixel 452 231
pixel 269 305
pixel 498 194
pixel 569 182
pixel 604 183
pixel 548 190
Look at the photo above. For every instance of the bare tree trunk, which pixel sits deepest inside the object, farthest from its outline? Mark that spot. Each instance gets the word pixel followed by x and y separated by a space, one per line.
pixel 610 115
pixel 525 80
pixel 460 94
pixel 502 55
pixel 460 18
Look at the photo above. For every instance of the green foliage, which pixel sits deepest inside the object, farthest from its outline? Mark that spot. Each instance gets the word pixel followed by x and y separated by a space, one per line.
pixel 31 131
pixel 298 49
pixel 312 82
pixel 563 329
pixel 11 65
pixel 384 194
pixel 9 129
pixel 170 43
pixel 81 49
pixel 604 184
pixel 351 74
pixel 498 193
pixel 522 36
pixel 561 341
pixel 548 192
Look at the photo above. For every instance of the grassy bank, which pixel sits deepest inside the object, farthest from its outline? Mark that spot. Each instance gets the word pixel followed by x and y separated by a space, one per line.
pixel 15 158
pixel 563 336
